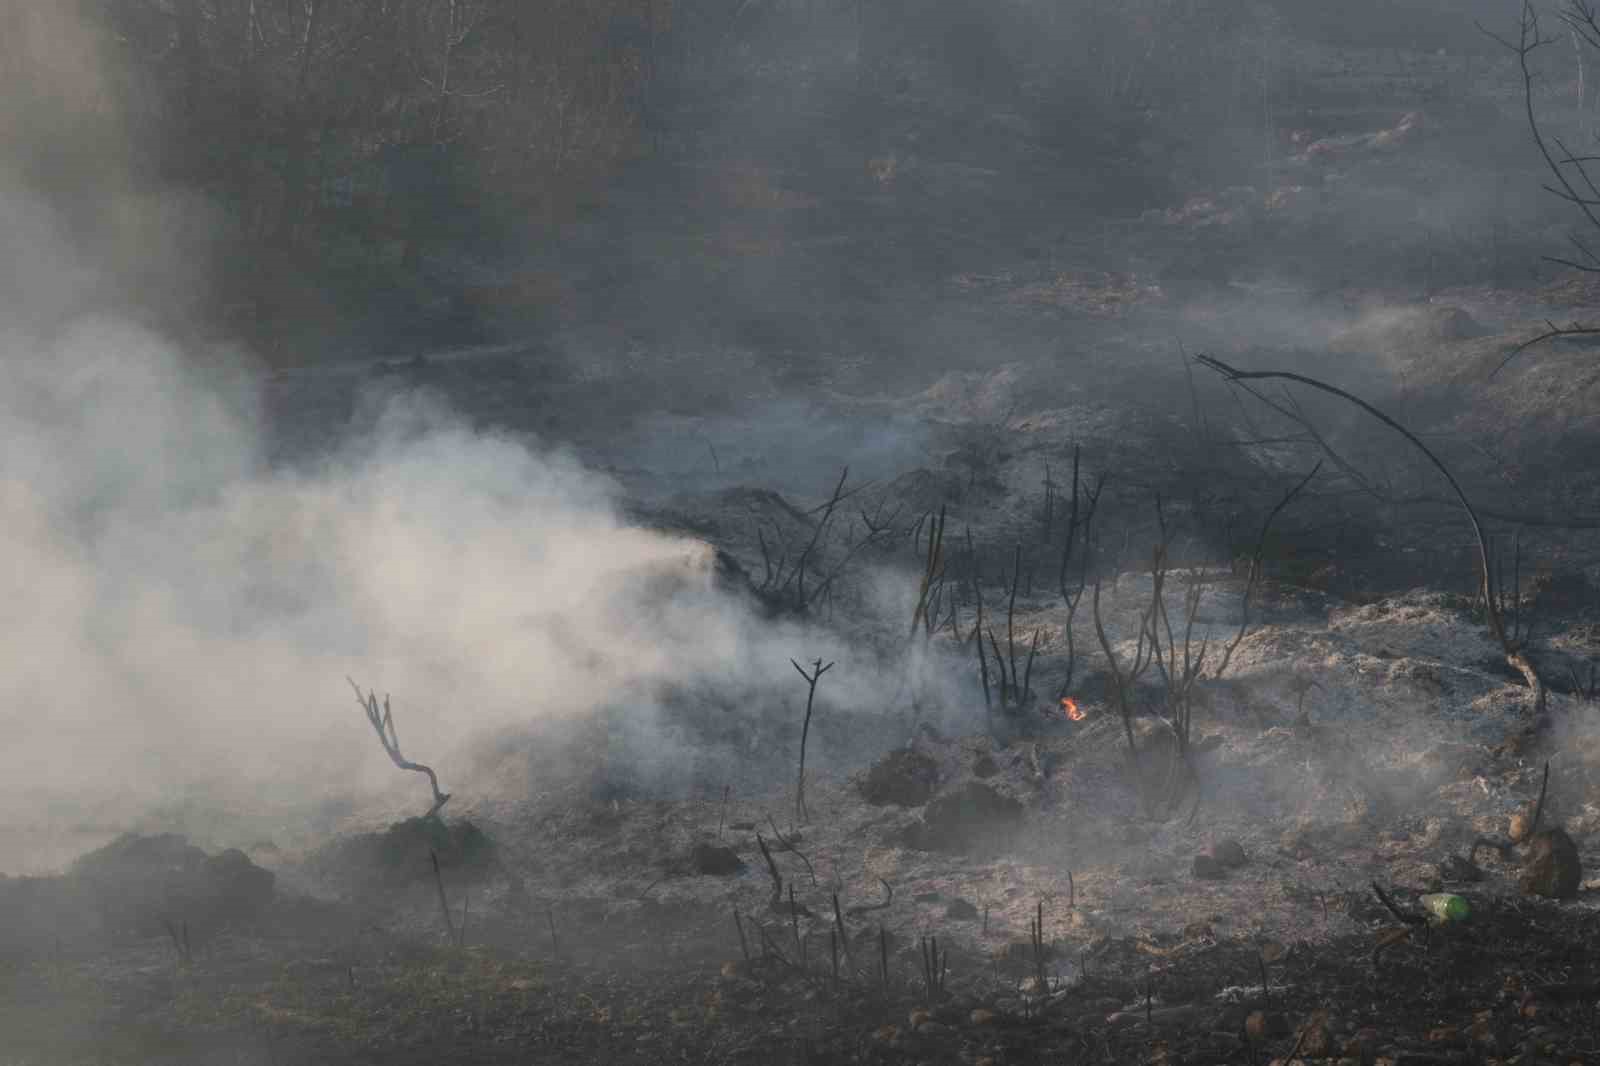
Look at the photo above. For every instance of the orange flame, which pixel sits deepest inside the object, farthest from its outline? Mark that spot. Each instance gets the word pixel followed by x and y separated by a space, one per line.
pixel 1069 707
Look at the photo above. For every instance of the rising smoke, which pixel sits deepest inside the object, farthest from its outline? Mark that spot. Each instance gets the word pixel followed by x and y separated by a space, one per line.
pixel 182 615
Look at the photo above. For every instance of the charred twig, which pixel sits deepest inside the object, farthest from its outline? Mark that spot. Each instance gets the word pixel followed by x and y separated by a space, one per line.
pixel 179 934
pixel 722 817
pixel 772 868
pixel 837 497
pixel 1585 691
pixel 1394 908
pixel 1080 522
pixel 794 919
pixel 444 905
pixel 744 945
pixel 785 844
pixel 555 945
pixel 1256 562
pixel 934 968
pixel 1119 689
pixel 1036 935
pixel 844 939
pixel 888 898
pixel 772 950
pixel 383 724
pixel 932 571
pixel 1538 810
pixel 811 679
pixel 977 625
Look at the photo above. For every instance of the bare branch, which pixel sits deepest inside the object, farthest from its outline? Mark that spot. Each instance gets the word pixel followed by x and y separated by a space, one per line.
pixel 383 724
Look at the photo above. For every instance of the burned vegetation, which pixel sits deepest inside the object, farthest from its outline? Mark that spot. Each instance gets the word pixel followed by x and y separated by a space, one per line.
pixel 901 649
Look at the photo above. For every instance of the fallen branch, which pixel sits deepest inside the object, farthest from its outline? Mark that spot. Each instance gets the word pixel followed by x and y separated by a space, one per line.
pixel 1514 653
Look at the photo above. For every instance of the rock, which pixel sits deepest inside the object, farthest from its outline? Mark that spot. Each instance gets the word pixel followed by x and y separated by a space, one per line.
pixel 926 897
pixel 1207 868
pixel 1229 853
pixel 715 860
pixel 984 767
pixel 1553 869
pixel 903 778
pixel 961 911
pixel 972 818
pixel 1458 868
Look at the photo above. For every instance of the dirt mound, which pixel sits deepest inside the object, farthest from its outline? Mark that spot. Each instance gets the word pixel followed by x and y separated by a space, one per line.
pixel 404 853
pixel 140 886
pixel 903 778
pixel 976 818
pixel 143 881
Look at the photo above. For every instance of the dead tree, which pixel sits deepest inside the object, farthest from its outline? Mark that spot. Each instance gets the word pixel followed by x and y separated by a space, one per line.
pixel 811 679
pixel 1490 589
pixel 383 724
pixel 1574 182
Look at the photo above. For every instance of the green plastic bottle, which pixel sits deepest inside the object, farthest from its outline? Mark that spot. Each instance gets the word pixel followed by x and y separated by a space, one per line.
pixel 1446 907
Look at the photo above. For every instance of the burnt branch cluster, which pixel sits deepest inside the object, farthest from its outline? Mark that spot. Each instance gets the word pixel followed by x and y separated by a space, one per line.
pixel 796 578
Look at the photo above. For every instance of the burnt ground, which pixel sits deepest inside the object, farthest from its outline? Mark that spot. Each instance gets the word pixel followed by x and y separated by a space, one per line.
pixel 1517 985
pixel 1367 730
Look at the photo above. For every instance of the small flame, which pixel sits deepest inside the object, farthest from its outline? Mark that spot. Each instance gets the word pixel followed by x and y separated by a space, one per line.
pixel 1069 707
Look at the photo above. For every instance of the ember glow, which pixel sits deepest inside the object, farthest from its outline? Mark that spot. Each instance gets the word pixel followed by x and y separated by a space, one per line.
pixel 1069 707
